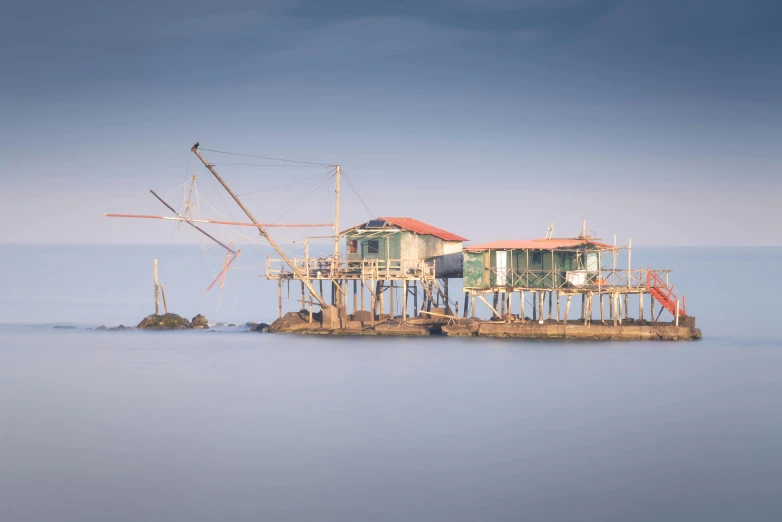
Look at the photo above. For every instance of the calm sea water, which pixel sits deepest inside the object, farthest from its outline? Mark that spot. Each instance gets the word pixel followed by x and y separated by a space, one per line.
pixel 189 426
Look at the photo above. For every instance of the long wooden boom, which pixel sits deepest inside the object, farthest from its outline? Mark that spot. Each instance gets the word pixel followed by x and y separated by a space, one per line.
pixel 262 231
pixel 232 223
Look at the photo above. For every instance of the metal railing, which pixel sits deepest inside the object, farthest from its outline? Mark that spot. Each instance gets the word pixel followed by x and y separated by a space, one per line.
pixel 634 280
pixel 329 268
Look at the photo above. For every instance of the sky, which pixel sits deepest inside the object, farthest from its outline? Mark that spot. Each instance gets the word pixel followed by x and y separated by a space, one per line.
pixel 657 121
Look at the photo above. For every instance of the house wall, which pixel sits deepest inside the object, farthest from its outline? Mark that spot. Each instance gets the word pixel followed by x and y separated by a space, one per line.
pixel 480 268
pixel 413 248
pixel 393 245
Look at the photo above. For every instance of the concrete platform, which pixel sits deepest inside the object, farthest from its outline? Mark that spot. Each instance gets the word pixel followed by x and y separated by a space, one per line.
pixel 298 322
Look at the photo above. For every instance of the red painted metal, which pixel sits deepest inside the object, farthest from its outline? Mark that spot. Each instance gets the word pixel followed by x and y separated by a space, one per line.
pixel 663 293
pixel 419 227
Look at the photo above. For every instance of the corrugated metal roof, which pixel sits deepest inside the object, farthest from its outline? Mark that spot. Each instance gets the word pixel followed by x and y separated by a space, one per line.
pixel 419 227
pixel 533 244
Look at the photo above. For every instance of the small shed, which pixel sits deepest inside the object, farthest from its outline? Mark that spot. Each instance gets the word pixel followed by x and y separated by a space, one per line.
pixel 535 263
pixel 403 241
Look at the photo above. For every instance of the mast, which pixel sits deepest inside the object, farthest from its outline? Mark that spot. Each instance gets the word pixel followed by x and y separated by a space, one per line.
pixel 262 231
pixel 336 214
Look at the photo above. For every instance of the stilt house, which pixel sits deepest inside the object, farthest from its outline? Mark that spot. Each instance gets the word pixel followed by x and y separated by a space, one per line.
pixel 403 244
pixel 534 264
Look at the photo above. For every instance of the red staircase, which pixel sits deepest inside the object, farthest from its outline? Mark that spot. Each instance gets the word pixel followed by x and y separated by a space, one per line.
pixel 663 293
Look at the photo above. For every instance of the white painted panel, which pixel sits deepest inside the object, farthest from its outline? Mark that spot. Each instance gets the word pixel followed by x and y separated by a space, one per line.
pixel 502 267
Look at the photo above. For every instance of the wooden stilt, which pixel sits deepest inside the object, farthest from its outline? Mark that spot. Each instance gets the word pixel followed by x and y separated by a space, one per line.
pixel 614 304
pixel 541 300
pixel 355 296
pixel 279 297
pixel 620 312
pixel 472 306
pixel 558 305
pixel 627 303
pixel 392 311
pixel 404 300
pixel 677 312
pixel 310 300
pixel 651 308
pixel 447 300
pixel 302 295
pixel 466 305
pixel 415 297
pixel 521 299
pixel 163 293
pixel 602 311
pixel 535 306
pixel 380 289
pixel 362 295
pixel 550 296
pixel 641 306
pixel 508 297
pixel 157 306
pixel 567 307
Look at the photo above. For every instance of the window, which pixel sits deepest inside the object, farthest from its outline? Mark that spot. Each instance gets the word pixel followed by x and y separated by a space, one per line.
pixel 537 258
pixel 353 246
pixel 372 246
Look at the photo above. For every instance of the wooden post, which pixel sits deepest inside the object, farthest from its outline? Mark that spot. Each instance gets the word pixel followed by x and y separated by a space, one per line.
pixel 627 305
pixel 447 300
pixel 614 304
pixel 619 306
pixel 535 306
pixel 404 300
pixel 163 293
pixel 508 311
pixel 337 173
pixel 392 312
pixel 380 289
pixel 602 311
pixel 521 298
pixel 355 295
pixel 567 307
pixel 466 305
pixel 496 299
pixel 362 292
pixel 583 306
pixel 472 306
pixel 651 308
pixel 157 307
pixel 640 305
pixel 550 296
pixel 310 300
pixel 558 305
pixel 415 297
pixel 541 301
pixel 279 296
pixel 302 295
pixel 677 312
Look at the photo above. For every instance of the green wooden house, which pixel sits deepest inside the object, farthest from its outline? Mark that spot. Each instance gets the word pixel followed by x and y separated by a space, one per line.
pixel 402 244
pixel 548 264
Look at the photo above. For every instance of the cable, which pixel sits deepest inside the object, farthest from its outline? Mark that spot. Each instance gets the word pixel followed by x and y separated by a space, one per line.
pixel 371 214
pixel 283 186
pixel 268 158
pixel 260 165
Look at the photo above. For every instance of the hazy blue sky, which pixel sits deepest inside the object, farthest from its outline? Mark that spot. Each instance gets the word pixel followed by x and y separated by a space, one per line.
pixel 660 121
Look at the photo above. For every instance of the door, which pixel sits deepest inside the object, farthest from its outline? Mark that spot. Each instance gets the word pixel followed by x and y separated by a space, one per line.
pixel 502 267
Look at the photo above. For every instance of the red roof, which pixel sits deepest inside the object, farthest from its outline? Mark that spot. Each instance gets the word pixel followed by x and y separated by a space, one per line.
pixel 534 244
pixel 419 227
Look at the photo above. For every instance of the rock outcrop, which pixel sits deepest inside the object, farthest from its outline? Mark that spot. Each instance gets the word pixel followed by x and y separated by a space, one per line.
pixel 259 327
pixel 164 322
pixel 199 322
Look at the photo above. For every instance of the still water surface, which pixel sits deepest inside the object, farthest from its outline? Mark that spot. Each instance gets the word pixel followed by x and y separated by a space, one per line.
pixel 191 426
